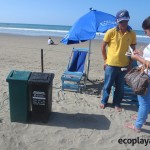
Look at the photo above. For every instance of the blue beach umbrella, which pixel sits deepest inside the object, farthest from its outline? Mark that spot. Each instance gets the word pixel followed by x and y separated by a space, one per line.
pixel 85 27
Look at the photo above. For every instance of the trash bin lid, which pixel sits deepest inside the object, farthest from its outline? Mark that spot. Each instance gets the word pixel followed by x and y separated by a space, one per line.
pixel 16 75
pixel 42 78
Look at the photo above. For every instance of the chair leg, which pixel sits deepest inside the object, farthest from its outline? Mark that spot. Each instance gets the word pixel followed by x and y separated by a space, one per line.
pixel 62 85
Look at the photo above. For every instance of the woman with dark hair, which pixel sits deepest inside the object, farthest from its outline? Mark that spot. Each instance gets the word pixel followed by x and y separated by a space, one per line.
pixel 144 100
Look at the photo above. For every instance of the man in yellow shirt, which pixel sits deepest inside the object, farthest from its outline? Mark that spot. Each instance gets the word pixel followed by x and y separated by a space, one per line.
pixel 117 42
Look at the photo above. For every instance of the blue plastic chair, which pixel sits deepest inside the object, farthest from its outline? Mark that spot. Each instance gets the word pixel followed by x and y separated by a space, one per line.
pixel 74 77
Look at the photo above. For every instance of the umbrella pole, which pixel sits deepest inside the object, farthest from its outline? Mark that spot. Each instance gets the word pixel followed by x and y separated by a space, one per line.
pixel 88 67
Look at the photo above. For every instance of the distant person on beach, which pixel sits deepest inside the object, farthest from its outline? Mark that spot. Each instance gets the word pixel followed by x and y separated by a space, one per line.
pixel 50 41
pixel 144 100
pixel 117 41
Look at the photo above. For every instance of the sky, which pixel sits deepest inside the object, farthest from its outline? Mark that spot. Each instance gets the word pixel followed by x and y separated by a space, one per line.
pixel 66 12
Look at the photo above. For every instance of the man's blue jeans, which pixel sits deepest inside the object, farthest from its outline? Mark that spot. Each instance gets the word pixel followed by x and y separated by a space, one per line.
pixel 113 75
pixel 144 108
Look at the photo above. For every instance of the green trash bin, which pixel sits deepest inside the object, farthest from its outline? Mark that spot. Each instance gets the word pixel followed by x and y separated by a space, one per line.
pixel 18 95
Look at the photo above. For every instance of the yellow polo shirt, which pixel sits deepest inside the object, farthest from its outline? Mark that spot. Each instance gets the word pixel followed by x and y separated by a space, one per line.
pixel 118 45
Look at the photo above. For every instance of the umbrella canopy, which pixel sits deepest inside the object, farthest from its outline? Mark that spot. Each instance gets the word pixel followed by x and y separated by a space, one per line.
pixel 85 28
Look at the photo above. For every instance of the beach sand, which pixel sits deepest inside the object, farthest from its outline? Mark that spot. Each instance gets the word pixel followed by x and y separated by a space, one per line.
pixel 76 121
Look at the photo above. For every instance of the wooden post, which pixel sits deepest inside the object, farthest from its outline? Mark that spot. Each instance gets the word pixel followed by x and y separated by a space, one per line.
pixel 42 67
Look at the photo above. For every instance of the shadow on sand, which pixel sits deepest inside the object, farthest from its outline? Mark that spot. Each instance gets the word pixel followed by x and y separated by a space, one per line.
pixel 78 120
pixel 93 87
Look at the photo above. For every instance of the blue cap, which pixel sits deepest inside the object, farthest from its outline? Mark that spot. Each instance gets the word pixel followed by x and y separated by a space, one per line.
pixel 122 15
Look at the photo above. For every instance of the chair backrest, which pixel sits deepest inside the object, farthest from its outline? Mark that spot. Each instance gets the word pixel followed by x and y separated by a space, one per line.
pixel 78 59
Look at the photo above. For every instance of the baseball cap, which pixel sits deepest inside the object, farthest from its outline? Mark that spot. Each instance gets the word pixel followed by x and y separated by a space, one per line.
pixel 122 15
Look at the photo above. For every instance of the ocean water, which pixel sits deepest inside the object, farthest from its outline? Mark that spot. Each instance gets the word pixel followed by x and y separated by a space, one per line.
pixel 52 30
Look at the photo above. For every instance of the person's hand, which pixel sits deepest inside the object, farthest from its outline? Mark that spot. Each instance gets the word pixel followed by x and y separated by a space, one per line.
pixel 147 64
pixel 135 55
pixel 104 66
pixel 138 52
